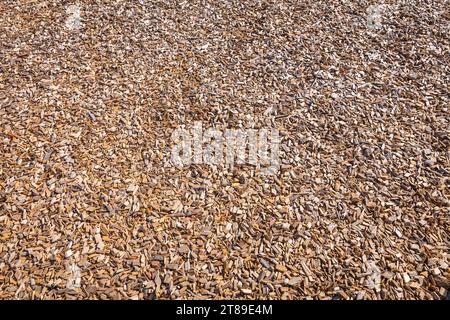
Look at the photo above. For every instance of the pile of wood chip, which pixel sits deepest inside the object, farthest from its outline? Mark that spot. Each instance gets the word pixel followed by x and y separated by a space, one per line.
pixel 90 92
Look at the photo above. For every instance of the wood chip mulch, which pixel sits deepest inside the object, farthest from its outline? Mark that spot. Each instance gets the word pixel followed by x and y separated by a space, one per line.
pixel 90 92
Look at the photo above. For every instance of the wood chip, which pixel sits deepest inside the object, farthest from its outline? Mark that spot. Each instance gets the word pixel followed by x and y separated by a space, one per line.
pixel 92 205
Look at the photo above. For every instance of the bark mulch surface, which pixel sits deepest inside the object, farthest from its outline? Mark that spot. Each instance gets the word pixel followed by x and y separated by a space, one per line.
pixel 90 92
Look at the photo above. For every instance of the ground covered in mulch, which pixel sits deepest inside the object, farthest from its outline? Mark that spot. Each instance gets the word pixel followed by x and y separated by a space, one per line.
pixel 91 207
